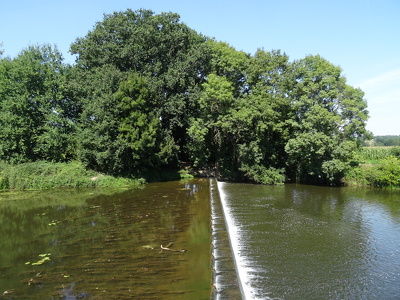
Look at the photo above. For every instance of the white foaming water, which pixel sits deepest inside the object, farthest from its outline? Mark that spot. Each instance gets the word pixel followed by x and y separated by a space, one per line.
pixel 234 232
pixel 214 250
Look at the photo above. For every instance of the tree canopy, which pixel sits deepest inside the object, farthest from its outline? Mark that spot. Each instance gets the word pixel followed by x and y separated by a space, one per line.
pixel 147 92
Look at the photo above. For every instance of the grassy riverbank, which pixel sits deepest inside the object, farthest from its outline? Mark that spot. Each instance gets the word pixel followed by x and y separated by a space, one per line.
pixel 373 166
pixel 377 167
pixel 46 175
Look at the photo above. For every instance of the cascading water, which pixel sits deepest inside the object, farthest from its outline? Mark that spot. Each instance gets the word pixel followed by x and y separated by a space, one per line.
pixel 226 285
pixel 234 233
pixel 308 242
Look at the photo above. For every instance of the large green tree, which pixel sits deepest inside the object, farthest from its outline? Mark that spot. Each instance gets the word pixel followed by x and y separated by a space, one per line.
pixel 242 124
pixel 230 63
pixel 120 130
pixel 300 119
pixel 209 141
pixel 97 134
pixel 36 115
pixel 172 57
pixel 329 119
pixel 264 115
pixel 140 125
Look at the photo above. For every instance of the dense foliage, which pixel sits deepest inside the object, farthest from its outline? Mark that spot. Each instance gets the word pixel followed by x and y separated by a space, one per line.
pixel 36 112
pixel 149 93
pixel 376 166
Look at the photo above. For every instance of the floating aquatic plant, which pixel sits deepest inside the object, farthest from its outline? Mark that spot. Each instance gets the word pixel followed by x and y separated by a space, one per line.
pixel 44 255
pixel 41 261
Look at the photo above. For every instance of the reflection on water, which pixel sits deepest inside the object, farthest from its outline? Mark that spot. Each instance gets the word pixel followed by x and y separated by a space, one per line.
pixel 104 244
pixel 305 242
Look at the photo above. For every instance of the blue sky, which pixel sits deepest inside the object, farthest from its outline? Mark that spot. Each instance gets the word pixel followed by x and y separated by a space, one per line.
pixel 361 36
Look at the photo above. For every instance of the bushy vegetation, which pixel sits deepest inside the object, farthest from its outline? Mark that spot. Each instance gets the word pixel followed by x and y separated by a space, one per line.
pixel 387 174
pixel 377 167
pixel 46 175
pixel 147 93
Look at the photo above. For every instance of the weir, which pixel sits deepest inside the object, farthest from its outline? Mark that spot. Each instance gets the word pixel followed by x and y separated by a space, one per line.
pixel 309 242
pixel 234 234
pixel 225 280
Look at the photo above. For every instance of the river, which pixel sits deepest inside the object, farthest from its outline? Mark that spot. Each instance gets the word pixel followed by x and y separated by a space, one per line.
pixel 308 242
pixel 237 241
pixel 106 244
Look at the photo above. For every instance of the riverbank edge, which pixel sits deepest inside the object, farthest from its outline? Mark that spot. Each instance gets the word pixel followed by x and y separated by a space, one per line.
pixel 48 175
pixel 385 174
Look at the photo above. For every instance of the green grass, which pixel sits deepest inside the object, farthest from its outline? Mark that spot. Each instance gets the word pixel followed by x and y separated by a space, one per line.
pixel 46 175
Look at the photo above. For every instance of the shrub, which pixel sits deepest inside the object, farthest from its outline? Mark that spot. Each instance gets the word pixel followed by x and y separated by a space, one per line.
pixel 46 175
pixel 3 183
pixel 110 181
pixel 384 174
pixel 357 176
pixel 185 174
pixel 388 174
pixel 395 151
pixel 334 171
pixel 263 175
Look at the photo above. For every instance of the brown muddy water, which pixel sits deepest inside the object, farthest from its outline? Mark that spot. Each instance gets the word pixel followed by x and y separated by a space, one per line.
pixel 106 244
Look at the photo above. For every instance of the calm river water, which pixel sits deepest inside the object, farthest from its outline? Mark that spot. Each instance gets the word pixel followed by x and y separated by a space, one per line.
pixel 307 242
pixel 105 244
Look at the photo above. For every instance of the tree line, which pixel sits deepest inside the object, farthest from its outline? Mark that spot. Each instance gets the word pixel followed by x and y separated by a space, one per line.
pixel 383 140
pixel 148 93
